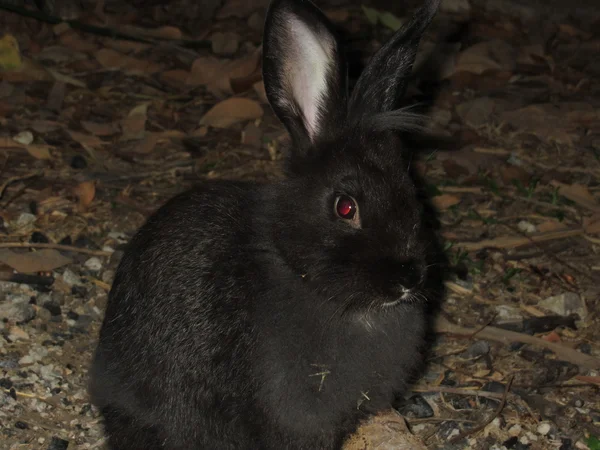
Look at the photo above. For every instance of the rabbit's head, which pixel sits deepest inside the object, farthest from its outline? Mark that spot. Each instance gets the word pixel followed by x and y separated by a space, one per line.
pixel 347 219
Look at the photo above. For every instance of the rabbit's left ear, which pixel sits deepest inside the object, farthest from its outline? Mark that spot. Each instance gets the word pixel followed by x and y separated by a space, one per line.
pixel 383 81
pixel 304 72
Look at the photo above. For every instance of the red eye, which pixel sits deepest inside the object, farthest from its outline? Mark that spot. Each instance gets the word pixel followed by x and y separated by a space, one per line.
pixel 345 207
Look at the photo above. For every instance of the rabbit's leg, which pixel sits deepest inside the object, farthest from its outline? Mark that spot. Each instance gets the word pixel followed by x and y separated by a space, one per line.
pixel 124 434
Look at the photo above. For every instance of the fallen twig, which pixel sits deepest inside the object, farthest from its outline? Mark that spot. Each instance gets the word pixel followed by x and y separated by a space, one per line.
pixel 11 180
pixel 489 420
pixel 458 391
pixel 518 241
pixel 442 325
pixel 64 248
pixel 100 31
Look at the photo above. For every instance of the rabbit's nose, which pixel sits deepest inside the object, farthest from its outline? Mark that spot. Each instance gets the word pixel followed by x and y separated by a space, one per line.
pixel 410 275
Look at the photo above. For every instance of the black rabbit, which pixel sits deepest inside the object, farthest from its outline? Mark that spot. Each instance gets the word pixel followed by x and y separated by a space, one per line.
pixel 247 316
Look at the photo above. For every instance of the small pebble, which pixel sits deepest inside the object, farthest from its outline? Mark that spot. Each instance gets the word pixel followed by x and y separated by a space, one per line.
pixel 416 407
pixel 476 350
pixel 24 137
pixel 94 264
pixel 21 425
pixel 543 428
pixel 71 278
pixel 58 444
pixel 25 219
pixel 515 430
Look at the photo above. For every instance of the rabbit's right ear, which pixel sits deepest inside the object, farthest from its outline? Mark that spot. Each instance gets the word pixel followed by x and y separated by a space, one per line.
pixel 304 72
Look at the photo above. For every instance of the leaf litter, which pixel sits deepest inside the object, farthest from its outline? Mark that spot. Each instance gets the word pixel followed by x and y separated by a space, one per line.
pixel 97 131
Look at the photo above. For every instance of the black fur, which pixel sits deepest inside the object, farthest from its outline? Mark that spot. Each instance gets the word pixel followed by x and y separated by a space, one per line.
pixel 247 316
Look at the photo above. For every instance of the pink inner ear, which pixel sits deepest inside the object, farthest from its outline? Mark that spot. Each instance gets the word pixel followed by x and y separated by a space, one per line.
pixel 308 64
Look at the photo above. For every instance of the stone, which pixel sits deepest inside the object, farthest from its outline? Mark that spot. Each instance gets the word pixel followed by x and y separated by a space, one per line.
pixel 565 305
pixel 544 428
pixel 16 308
pixel 94 264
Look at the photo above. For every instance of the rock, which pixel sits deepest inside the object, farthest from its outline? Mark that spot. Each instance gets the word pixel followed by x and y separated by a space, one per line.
pixel 70 278
pixel 565 305
pixel 416 407
pixel 16 308
pixel 476 350
pixel 58 444
pixel 508 313
pixel 94 264
pixel 526 227
pixel 225 43
pixel 544 428
pixel 25 219
pixel 16 333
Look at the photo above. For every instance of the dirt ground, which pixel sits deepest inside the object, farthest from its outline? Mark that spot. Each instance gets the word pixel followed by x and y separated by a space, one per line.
pixel 104 118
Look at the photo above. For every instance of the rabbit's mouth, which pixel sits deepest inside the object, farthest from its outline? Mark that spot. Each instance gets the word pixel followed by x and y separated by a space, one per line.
pixel 408 296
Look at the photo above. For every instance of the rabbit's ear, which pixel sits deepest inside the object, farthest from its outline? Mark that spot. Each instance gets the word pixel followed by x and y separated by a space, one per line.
pixel 304 71
pixel 383 81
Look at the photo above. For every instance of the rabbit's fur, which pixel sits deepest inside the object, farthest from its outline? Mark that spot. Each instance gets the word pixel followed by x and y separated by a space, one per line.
pixel 247 316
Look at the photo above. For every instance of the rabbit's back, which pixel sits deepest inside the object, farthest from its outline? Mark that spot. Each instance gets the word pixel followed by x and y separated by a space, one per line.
pixel 176 322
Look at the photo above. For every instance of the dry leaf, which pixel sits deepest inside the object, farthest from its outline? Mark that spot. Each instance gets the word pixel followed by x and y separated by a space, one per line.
pixel 39 151
pixel 445 201
pixel 487 55
pixel 231 111
pixel 44 260
pixel 134 125
pixel 577 193
pixel 591 225
pixel 387 431
pixel 100 129
pixel 114 60
pixel 10 56
pixel 225 76
pixel 85 192
pixel 259 88
pixel 86 140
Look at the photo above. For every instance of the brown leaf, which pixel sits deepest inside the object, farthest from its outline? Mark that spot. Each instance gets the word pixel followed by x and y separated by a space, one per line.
pixel 39 151
pixel 134 125
pixel 259 88
pixel 487 55
pixel 240 8
pixel 85 192
pixel 591 225
pixel 86 140
pixel 114 60
pixel 44 260
pixel 577 193
pixel 100 129
pixel 445 201
pixel 231 111
pixel 225 76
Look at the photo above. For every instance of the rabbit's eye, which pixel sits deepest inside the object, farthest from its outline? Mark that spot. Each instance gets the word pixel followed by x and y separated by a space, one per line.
pixel 345 207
